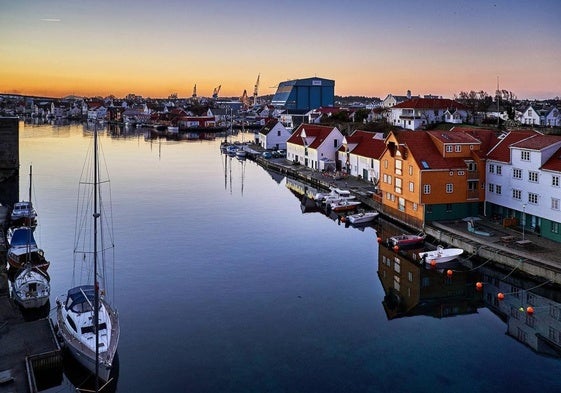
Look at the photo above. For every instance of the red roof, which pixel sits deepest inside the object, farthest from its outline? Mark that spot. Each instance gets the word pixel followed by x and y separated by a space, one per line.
pixel 430 103
pixel 537 142
pixel 554 163
pixel 319 133
pixel 501 151
pixel 367 144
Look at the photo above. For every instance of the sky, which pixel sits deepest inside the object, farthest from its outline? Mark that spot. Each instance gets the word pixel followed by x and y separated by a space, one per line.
pixel 368 47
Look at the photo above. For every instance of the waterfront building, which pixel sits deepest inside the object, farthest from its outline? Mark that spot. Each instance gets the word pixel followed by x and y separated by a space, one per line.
pixel 9 160
pixel 434 175
pixel 304 94
pixel 392 100
pixel 273 135
pixel 360 154
pixel 524 181
pixel 417 113
pixel 314 146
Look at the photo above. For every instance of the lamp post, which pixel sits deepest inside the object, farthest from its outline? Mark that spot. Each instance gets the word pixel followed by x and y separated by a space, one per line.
pixel 523 219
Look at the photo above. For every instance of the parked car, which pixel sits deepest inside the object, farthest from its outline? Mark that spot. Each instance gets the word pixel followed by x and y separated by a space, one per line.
pixel 267 154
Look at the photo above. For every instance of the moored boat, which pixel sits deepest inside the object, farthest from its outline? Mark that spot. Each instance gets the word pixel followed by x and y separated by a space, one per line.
pixel 31 287
pixel 344 205
pixel 362 217
pixel 406 240
pixel 441 255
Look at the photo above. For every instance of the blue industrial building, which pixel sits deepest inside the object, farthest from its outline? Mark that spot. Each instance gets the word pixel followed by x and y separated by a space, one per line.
pixel 304 94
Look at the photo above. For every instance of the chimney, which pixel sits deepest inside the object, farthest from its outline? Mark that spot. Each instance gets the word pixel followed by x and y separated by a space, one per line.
pixel 408 94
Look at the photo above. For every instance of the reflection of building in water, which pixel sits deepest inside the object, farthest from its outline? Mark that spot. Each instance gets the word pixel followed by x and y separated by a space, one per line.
pixel 540 329
pixel 414 289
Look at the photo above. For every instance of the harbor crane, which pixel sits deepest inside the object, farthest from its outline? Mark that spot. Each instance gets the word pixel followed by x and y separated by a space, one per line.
pixel 255 90
pixel 245 99
pixel 216 91
pixel 194 96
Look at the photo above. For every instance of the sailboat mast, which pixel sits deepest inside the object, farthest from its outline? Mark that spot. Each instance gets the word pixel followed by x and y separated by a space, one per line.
pixel 96 286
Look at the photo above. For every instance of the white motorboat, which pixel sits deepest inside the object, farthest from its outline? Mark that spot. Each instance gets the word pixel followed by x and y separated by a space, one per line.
pixel 362 217
pixel 335 195
pixel 87 322
pixel 31 288
pixel 441 254
pixel 23 210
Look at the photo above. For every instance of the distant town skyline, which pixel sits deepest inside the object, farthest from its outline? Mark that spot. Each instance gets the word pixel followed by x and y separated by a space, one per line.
pixel 154 49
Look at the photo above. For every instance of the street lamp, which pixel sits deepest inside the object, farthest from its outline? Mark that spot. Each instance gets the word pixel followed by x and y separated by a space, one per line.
pixel 523 219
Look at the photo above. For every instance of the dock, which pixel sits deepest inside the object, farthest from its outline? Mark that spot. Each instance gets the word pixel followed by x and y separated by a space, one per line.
pixel 30 356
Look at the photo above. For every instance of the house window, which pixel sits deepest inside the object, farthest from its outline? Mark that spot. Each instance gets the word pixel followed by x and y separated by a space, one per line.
pixel 415 206
pixel 532 198
pixel 555 181
pixel 461 173
pixel 458 148
pixel 554 227
pixel 555 203
pixel 398 185
pixel 533 176
pixel 449 188
pixel 471 166
pixel 525 155
pixel 498 190
pixel 401 204
pixel 499 170
pixel 278 133
pixel 449 149
pixel 335 143
pixel 385 164
pixel 517 173
pixel 426 189
pixel 398 166
pixel 410 276
pixel 491 187
pixel 517 194
pixel 410 170
pixel 492 168
pixel 411 186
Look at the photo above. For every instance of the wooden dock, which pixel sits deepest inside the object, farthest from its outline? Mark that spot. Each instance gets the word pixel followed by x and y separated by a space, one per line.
pixel 30 356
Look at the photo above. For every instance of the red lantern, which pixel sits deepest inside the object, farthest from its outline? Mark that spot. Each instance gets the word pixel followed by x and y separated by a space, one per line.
pixel 379 240
pixel 530 310
pixel 449 273
pixel 501 296
pixel 396 248
pixel 433 263
pixel 479 286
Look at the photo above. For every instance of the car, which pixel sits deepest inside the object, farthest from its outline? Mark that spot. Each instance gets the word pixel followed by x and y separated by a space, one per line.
pixel 267 154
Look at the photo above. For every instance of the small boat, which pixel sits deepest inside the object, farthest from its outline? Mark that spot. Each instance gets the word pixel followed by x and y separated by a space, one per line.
pixel 31 287
pixel 18 257
pixel 362 217
pixel 23 211
pixel 441 254
pixel 241 153
pixel 343 205
pixel 406 240
pixel 333 196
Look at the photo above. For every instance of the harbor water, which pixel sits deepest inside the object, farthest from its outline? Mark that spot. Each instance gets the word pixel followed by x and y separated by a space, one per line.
pixel 224 284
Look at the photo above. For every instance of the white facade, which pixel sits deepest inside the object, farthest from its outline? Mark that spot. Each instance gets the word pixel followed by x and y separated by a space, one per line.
pixel 97 113
pixel 530 117
pixel 521 184
pixel 414 119
pixel 314 156
pixel 275 138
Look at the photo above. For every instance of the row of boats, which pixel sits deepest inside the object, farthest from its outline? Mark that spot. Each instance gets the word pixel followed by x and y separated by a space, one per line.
pixel 87 324
pixel 340 200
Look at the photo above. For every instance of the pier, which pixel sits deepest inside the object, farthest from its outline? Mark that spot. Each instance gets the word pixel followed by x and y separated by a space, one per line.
pixel 30 356
pixel 503 245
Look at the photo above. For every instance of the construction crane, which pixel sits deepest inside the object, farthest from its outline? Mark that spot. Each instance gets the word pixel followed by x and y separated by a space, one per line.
pixel 255 90
pixel 216 91
pixel 194 96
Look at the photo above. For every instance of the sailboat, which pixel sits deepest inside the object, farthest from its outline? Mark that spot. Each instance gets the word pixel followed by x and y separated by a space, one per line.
pixel 87 322
pixel 31 287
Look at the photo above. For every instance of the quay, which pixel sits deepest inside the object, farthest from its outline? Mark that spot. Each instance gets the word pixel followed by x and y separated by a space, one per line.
pixel 30 356
pixel 487 240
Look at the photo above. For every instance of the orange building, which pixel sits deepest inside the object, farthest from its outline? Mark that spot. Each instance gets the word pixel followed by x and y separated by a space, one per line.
pixel 434 175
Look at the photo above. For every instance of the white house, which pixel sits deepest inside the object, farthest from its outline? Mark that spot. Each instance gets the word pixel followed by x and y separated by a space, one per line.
pixel 314 146
pixel 523 176
pixel 551 117
pixel 360 154
pixel 530 116
pixel 96 112
pixel 420 112
pixel 392 100
pixel 273 135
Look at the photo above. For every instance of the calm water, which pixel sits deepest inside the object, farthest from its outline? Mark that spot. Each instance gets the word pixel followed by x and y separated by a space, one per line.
pixel 224 285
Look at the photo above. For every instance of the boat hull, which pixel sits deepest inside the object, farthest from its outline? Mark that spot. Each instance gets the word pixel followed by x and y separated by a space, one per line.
pixel 362 218
pixel 31 288
pixel 441 255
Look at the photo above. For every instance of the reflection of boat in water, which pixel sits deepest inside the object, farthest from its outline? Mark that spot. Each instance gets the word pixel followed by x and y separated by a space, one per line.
pixel 441 254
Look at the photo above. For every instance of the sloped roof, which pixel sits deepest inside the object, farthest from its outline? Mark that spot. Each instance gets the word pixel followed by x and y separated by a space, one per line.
pixel 425 152
pixel 367 144
pixel 430 103
pixel 312 130
pixel 537 142
pixel 554 163
pixel 486 137
pixel 501 151
pixel 268 126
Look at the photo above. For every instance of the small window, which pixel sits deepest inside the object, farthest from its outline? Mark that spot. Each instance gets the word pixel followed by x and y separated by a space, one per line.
pixel 517 173
pixel 492 168
pixel 555 181
pixel 426 189
pixel 499 189
pixel 449 188
pixel 449 149
pixel 517 194
pixel 458 148
pixel 525 155
pixel 499 170
pixel 532 198
pixel 555 203
pixel 533 176
pixel 491 187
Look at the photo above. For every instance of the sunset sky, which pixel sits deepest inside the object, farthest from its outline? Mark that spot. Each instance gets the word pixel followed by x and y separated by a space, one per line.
pixel 370 48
